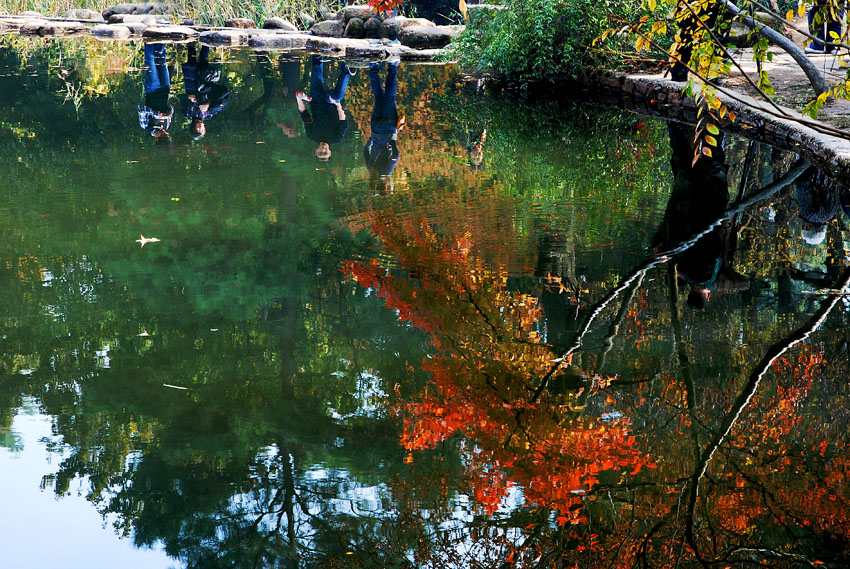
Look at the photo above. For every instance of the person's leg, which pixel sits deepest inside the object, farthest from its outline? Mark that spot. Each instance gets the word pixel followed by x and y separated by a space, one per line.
pixel 161 65
pixel 377 91
pixel 317 80
pixel 816 25
pixel 192 55
pixel 390 111
pixel 156 67
pixel 341 83
pixel 834 27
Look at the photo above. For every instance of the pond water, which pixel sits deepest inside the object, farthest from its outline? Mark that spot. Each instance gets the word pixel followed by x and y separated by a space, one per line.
pixel 221 351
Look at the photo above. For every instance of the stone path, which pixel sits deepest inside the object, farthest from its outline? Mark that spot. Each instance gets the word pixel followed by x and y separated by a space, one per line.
pixel 240 32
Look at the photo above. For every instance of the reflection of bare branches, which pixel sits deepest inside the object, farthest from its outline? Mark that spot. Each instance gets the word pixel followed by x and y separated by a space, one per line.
pixel 662 257
pixel 73 93
pixel 746 395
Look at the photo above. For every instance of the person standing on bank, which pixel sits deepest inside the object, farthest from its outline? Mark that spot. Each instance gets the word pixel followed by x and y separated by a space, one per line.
pixel 825 17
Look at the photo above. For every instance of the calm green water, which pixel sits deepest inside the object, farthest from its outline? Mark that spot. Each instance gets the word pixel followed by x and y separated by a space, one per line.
pixel 486 359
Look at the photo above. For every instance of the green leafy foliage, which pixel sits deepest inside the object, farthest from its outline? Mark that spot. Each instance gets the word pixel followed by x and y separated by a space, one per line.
pixel 540 38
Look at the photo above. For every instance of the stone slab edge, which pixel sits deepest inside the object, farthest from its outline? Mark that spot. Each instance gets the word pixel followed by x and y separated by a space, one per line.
pixel 655 96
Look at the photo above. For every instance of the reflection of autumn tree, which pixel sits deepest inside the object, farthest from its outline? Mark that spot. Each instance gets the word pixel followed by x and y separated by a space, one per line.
pixel 760 490
pixel 488 348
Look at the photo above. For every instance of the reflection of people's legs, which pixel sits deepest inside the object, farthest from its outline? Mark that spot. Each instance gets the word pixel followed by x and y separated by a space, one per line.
pixel 317 80
pixel 205 55
pixel 390 90
pixel 156 68
pixel 377 91
pixel 341 83
pixel 192 55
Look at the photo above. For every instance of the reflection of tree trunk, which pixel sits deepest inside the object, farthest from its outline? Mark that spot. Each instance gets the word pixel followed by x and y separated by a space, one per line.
pixel 746 395
pixel 288 506
pixel 591 314
pixel 556 256
pixel 682 352
pixel 608 342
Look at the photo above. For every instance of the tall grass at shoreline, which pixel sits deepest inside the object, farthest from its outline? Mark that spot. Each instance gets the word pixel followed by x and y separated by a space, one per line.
pixel 204 11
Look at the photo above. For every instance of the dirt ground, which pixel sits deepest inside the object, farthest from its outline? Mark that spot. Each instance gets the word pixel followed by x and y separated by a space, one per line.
pixel 792 88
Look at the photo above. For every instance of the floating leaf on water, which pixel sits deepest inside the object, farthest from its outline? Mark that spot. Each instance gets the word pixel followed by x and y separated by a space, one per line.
pixel 145 240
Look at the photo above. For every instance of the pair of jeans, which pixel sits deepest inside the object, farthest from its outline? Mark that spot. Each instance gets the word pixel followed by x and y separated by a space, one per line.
pixel 156 68
pixel 318 90
pixel 385 105
pixel 821 24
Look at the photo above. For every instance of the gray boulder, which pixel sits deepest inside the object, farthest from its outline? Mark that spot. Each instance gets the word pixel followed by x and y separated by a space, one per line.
pixel 144 19
pixel 241 23
pixel 32 14
pixel 328 29
pixel 110 31
pixel 349 12
pixel 136 8
pixel 372 27
pixel 178 33
pixel 278 41
pixel 224 37
pixel 83 14
pixel 306 20
pixel 429 37
pixel 355 28
pixel 392 27
pixel 279 24
pixel 326 13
